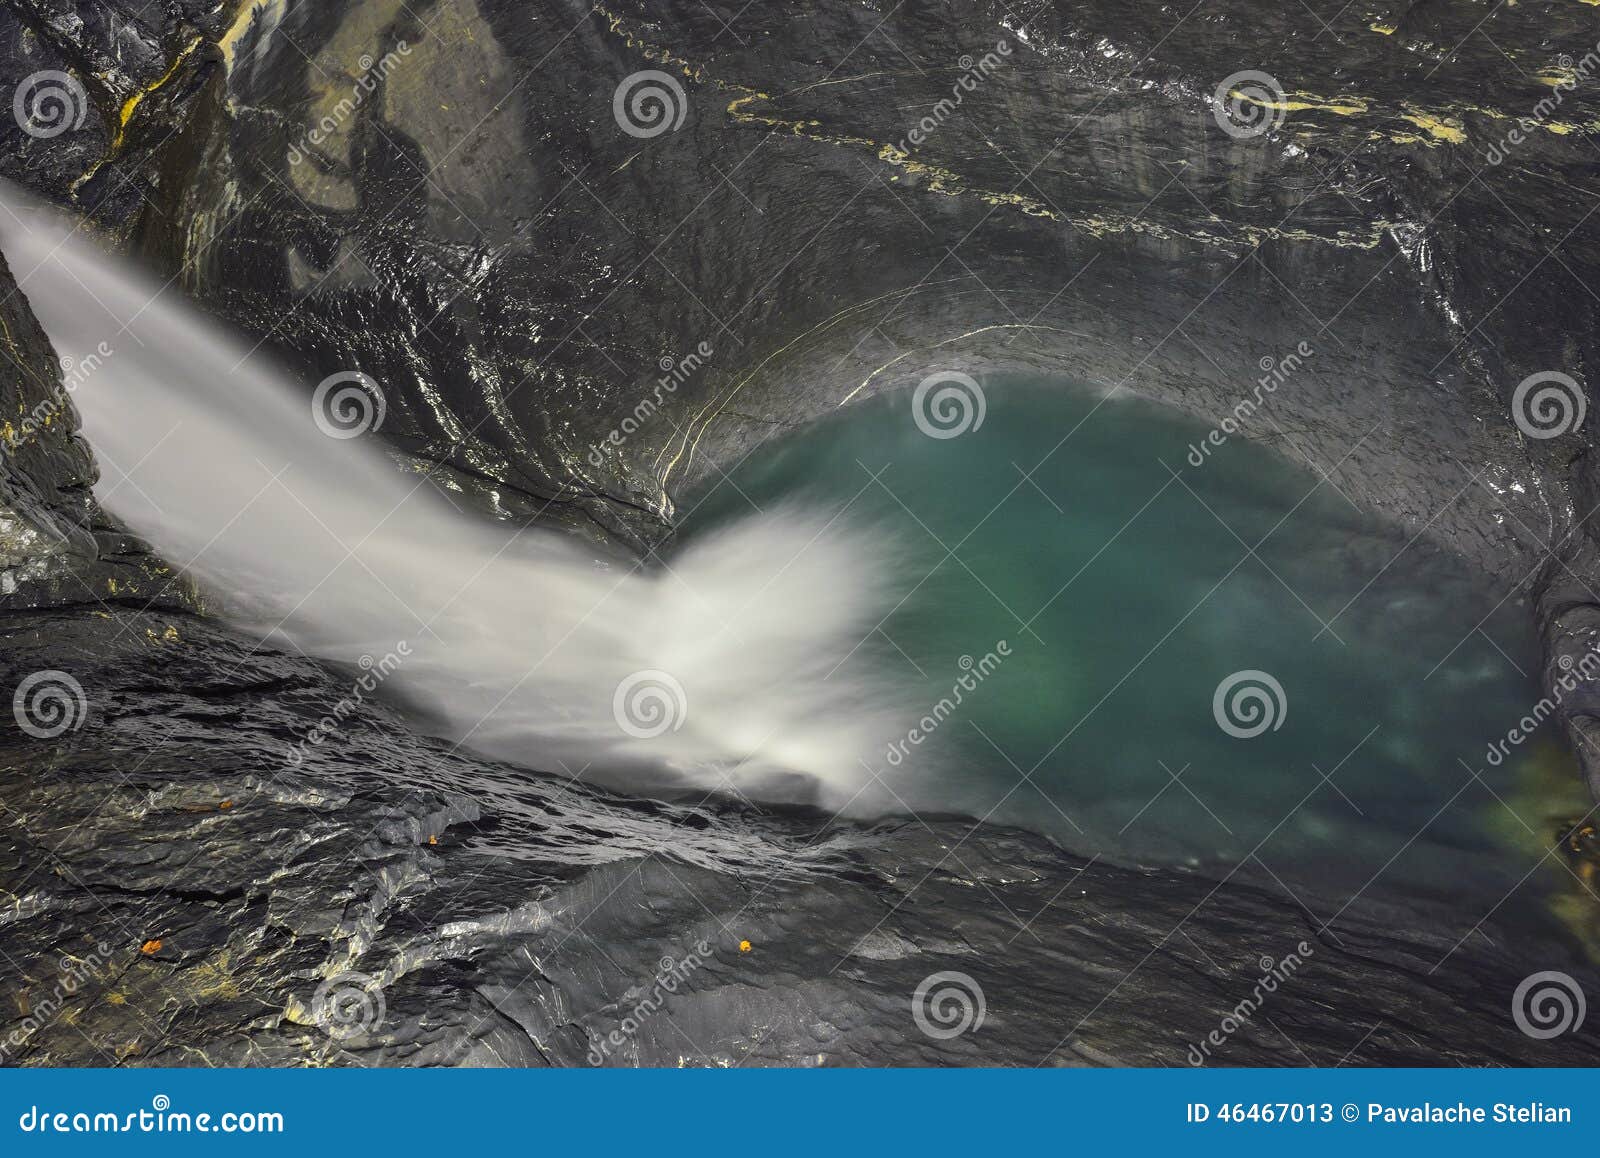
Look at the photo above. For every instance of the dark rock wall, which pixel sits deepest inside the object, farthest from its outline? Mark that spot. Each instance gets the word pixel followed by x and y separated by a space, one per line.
pixel 56 546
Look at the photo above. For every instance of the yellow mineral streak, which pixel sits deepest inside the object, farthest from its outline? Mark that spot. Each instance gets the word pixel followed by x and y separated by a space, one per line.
pixel 130 106
pixel 1299 102
pixel 1438 128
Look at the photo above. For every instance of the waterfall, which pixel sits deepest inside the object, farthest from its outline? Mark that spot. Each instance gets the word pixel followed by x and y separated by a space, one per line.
pixel 718 669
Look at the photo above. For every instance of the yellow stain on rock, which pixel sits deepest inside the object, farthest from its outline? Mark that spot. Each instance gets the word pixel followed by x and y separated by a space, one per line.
pixel 1298 102
pixel 1439 128
pixel 131 105
pixel 119 134
pixel 1556 77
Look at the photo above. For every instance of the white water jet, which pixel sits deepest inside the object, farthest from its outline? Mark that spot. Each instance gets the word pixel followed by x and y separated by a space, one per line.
pixel 722 670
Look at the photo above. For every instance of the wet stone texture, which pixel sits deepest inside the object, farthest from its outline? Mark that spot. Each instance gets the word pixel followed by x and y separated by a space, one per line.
pixel 439 194
pixel 177 892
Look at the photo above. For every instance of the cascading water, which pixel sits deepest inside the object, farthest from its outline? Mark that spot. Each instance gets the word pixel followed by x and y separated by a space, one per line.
pixel 715 672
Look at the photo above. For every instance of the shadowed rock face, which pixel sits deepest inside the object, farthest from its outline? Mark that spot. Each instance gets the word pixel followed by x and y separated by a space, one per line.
pixel 441 194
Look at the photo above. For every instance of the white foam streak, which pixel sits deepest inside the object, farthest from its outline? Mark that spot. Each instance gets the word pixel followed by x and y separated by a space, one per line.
pixel 519 640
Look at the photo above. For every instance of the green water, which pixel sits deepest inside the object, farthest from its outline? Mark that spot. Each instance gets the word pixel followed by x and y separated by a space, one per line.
pixel 1127 584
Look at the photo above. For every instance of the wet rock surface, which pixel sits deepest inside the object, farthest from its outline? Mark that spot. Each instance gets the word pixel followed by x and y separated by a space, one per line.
pixel 441 195
pixel 177 893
